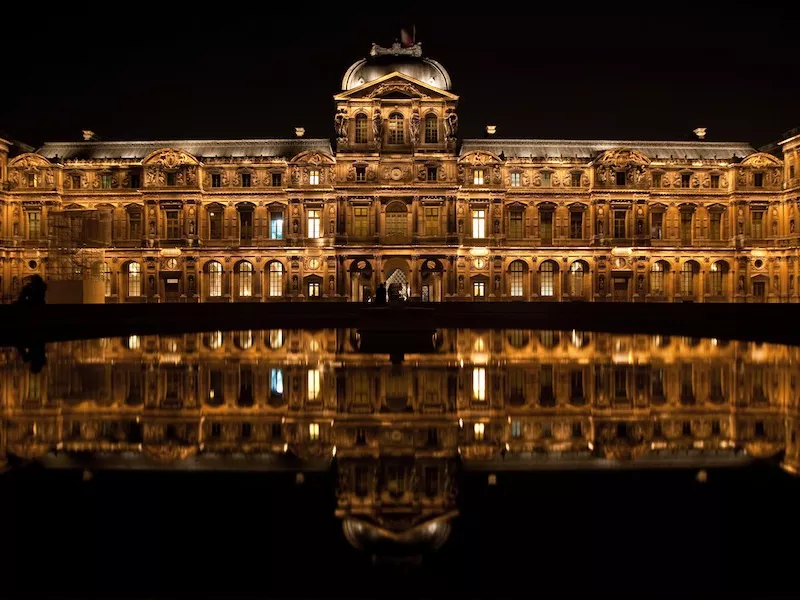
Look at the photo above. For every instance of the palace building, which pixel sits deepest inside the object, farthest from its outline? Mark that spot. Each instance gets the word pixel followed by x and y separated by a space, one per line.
pixel 401 200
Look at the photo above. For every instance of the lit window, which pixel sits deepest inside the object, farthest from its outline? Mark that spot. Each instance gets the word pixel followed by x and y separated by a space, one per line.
pixel 275 339
pixel 247 180
pixel 576 273
pixel 477 176
pixel 396 219
pixel 718 270
pixel 313 384
pixel 244 339
pixel 275 279
pixel 479 223
pixel 214 279
pixel 395 128
pixel 134 342
pixel 479 384
pixel 34 224
pixel 313 223
pixel 313 431
pixel 687 279
pixel 245 279
pixel 480 430
pixel 313 289
pixel 516 429
pixel 431 220
pixel 215 340
pixel 431 129
pixel 134 280
pixel 276 226
pixel 547 279
pixel 107 279
pixel 479 289
pixel 515 179
pixel 517 271
pixel 657 279
pixel 276 382
pixel 313 177
pixel 360 221
pixel 105 181
pixel 361 129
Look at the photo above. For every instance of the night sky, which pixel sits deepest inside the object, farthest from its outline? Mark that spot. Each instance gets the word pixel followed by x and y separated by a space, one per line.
pixel 242 73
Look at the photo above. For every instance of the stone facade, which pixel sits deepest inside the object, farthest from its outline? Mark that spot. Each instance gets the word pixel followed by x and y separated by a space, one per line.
pixel 402 200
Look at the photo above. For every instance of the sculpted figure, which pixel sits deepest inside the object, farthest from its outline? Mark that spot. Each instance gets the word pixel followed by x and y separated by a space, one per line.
pixel 377 127
pixel 414 126
pixel 340 124
pixel 451 124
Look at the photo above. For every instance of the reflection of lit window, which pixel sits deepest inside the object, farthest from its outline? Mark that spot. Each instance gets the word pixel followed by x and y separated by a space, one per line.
pixel 516 429
pixel 479 384
pixel 276 382
pixel 245 339
pixel 313 346
pixel 133 342
pixel 479 430
pixel 313 384
pixel 275 338
pixel 479 345
pixel 215 340
pixel 578 338
pixel 313 431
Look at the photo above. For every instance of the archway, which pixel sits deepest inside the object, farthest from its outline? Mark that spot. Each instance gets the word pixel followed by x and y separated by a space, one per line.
pixel 432 273
pixel 360 280
pixel 396 273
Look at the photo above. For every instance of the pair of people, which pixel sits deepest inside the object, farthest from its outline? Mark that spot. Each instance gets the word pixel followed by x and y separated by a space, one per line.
pixel 392 294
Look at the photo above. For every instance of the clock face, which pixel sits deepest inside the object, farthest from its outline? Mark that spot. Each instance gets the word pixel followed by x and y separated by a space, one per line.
pixel 313 263
pixel 171 264
pixel 479 263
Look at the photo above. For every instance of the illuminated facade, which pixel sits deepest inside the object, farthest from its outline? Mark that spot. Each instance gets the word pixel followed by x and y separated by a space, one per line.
pixel 402 201
pixel 400 434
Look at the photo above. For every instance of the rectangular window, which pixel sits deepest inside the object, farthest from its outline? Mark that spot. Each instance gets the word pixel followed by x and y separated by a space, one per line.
pixel 313 230
pixel 215 224
pixel 479 289
pixel 758 179
pixel 313 431
pixel 620 230
pixel 34 224
pixel 791 171
pixel 546 218
pixel 105 181
pixel 135 181
pixel 313 177
pixel 686 227
pixel 361 129
pixel 173 226
pixel 657 225
pixel 479 429
pixel 76 182
pixel 576 225
pixel 432 173
pixel 477 176
pixel 247 179
pixel 313 289
pixel 657 180
pixel 360 221
pixel 758 220
pixel 32 180
pixel 396 129
pixel 276 226
pixel 313 387
pixel 246 224
pixel 431 220
pixel 516 429
pixel 135 221
pixel 575 179
pixel 479 384
pixel 172 178
pixel 431 129
pixel 715 181
pixel 361 174
pixel 277 180
pixel 686 180
pixel 546 177
pixel 216 180
pixel 715 227
pixel 479 223
pixel 515 225
pixel 515 179
pixel 620 177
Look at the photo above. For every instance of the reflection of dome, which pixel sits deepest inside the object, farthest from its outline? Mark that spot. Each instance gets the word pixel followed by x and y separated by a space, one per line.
pixel 763 449
pixel 430 535
pixel 408 61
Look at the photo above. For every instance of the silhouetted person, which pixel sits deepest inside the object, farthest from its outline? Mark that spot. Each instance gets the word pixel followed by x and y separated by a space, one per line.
pixel 33 293
pixel 394 293
pixel 380 294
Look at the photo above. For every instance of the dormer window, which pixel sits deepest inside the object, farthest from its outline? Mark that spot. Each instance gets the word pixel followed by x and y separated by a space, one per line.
pixel 361 174
pixel 515 179
pixel 715 181
pixel 432 173
pixel 247 180
pixel 277 180
pixel 477 176
pixel 76 182
pixel 313 177
pixel 758 179
pixel 32 180
pixel 657 180
pixel 620 177
pixel 576 179
pixel 216 180
pixel 172 178
pixel 135 181
pixel 686 180
pixel 105 181
pixel 361 129
pixel 395 128
pixel 546 178
pixel 431 129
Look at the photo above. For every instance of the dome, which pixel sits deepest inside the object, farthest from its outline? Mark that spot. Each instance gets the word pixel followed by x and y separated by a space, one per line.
pixel 408 61
pixel 376 540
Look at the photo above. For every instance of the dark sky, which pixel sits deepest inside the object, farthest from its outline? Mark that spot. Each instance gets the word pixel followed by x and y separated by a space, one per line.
pixel 153 74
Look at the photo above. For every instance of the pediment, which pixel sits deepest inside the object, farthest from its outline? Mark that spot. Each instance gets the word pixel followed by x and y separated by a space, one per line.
pixel 396 86
pixel 30 160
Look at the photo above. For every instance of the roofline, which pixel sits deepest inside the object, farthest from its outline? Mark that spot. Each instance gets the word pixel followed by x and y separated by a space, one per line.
pixel 621 143
pixel 787 140
pixel 176 142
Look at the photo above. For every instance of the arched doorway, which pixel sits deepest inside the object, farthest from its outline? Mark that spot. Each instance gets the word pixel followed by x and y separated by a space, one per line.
pixel 432 273
pixel 397 278
pixel 361 280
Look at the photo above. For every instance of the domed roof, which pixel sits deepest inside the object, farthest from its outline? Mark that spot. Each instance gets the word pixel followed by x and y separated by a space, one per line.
pixel 409 61
pixel 422 538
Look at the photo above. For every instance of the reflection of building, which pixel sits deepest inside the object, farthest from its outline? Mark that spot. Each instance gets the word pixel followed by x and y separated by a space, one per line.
pixel 400 433
pixel 258 220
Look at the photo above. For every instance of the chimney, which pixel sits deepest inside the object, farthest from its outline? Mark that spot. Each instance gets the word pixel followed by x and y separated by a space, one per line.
pixel 299 131
pixel 89 135
pixel 700 132
pixel 491 129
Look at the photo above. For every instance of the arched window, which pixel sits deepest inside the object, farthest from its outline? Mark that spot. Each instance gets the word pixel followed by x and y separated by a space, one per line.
pixel 243 339
pixel 395 128
pixel 107 279
pixel 717 282
pixel 547 279
pixel 657 271
pixel 134 280
pixel 431 129
pixel 245 279
pixel 275 279
pixel 396 219
pixel 214 279
pixel 361 129
pixel 687 279
pixel 517 273
pixel 576 273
